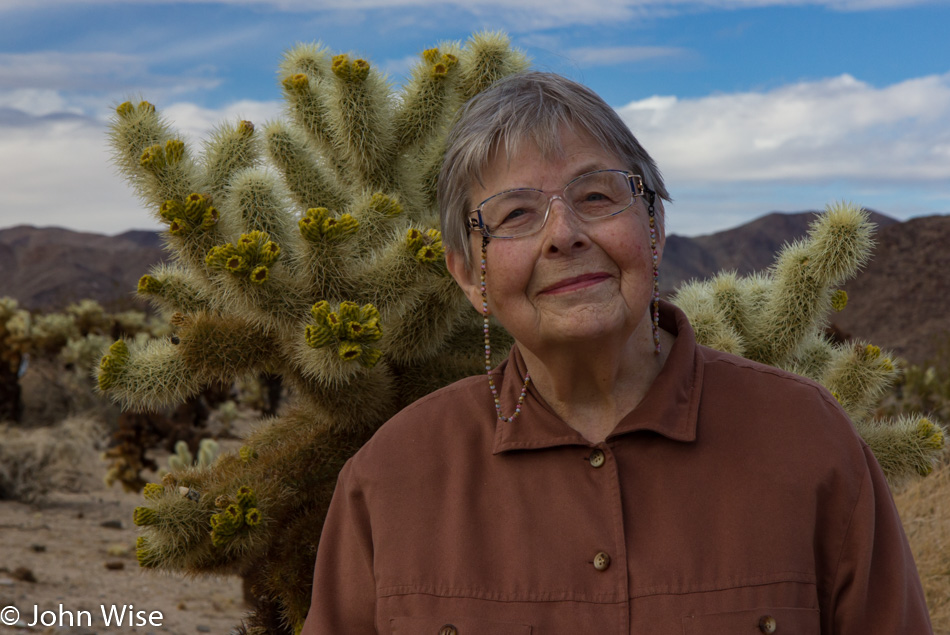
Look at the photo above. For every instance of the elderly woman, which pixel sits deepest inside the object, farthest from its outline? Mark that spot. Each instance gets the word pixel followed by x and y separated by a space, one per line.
pixel 611 476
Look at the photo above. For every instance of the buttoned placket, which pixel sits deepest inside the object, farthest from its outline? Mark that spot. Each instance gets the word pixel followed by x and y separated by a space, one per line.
pixel 611 560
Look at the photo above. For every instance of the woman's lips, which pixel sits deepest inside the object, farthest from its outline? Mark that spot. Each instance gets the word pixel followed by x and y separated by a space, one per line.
pixel 575 283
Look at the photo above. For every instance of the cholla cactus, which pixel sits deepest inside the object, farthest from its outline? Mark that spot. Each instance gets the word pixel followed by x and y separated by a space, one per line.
pixel 305 248
pixel 778 319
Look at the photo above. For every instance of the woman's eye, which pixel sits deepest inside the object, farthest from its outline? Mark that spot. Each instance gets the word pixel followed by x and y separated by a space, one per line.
pixel 514 215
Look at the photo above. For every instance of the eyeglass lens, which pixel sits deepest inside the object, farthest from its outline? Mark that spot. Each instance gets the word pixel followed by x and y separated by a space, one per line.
pixel 521 212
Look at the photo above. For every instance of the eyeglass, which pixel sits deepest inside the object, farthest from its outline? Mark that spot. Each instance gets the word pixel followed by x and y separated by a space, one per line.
pixel 524 211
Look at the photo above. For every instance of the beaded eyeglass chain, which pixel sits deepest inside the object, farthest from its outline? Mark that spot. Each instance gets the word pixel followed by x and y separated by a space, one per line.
pixel 651 198
pixel 488 369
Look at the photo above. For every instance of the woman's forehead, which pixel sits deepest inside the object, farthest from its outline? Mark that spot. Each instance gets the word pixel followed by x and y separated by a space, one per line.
pixel 514 152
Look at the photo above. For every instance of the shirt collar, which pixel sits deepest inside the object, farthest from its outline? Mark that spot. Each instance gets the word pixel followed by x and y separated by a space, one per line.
pixel 669 408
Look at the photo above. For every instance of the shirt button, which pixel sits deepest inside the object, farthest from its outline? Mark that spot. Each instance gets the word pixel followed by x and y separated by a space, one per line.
pixel 601 561
pixel 767 624
pixel 596 458
pixel 448 629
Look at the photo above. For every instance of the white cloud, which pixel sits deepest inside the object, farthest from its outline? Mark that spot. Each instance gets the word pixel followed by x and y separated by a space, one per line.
pixel 68 71
pixel 837 128
pixel 610 55
pixel 57 171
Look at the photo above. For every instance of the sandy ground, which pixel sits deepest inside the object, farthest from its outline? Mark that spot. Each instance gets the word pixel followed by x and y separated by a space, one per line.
pixel 78 550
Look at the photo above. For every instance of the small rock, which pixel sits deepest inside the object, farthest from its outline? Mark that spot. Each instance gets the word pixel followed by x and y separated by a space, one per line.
pixel 23 575
pixel 38 548
pixel 115 565
pixel 203 629
pixel 6 582
pixel 118 550
pixel 182 606
pixel 112 524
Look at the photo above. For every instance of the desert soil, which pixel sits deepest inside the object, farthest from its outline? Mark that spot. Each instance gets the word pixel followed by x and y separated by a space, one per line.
pixel 78 550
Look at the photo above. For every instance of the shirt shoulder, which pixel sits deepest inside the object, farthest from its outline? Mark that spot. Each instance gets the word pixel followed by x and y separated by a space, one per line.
pixel 452 420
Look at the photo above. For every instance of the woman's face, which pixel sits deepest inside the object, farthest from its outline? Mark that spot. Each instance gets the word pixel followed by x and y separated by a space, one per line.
pixel 574 280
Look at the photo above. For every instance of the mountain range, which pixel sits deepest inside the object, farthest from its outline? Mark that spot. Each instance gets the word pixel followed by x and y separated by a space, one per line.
pixel 900 301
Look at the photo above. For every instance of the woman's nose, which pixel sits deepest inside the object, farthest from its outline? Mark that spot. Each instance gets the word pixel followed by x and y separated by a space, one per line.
pixel 564 231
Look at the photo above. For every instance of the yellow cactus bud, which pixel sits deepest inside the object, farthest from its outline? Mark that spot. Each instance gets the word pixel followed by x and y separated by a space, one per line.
pixel 318 335
pixel 145 556
pixel 320 311
pixel 153 158
pixel 368 313
pixel 246 497
pixel 253 517
pixel 260 274
pixel 871 352
pixel 296 82
pixel 144 516
pixel 174 151
pixel 246 128
pixel 147 107
pixel 360 69
pixel 413 239
pixel 233 514
pixel 370 357
pixel 450 60
pixel 925 428
pixel 119 350
pixel 153 491
pixel 270 251
pixel 125 109
pixel 247 454
pixel 149 285
pixel 439 71
pixel 235 264
pixel 349 311
pixel 430 55
pixel 210 218
pixel 349 351
pixel 340 66
pixel 354 331
pixel 170 210
pixel 839 300
pixel 430 253
pixel 335 324
pixel 385 205
pixel 935 441
pixel 887 365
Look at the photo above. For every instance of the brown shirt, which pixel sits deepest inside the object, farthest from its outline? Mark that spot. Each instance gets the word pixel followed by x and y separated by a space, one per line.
pixel 735 498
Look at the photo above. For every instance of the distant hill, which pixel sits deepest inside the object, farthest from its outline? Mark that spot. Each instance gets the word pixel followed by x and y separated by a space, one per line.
pixel 900 302
pixel 46 269
pixel 744 249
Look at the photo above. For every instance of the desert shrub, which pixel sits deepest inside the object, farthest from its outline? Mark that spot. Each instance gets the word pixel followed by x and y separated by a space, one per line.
pixel 37 461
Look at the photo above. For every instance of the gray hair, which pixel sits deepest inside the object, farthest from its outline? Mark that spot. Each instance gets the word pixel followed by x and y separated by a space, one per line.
pixel 533 107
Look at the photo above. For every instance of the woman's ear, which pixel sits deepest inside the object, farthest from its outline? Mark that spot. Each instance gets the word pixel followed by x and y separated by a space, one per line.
pixel 466 276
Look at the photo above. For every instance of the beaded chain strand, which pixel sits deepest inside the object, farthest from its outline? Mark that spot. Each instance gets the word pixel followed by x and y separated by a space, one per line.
pixel 651 197
pixel 488 369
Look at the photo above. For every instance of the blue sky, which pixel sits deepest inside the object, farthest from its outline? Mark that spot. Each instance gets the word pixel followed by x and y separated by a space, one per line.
pixel 748 106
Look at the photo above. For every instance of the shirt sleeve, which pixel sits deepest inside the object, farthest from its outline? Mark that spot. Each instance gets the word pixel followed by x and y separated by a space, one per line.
pixel 877 588
pixel 344 587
